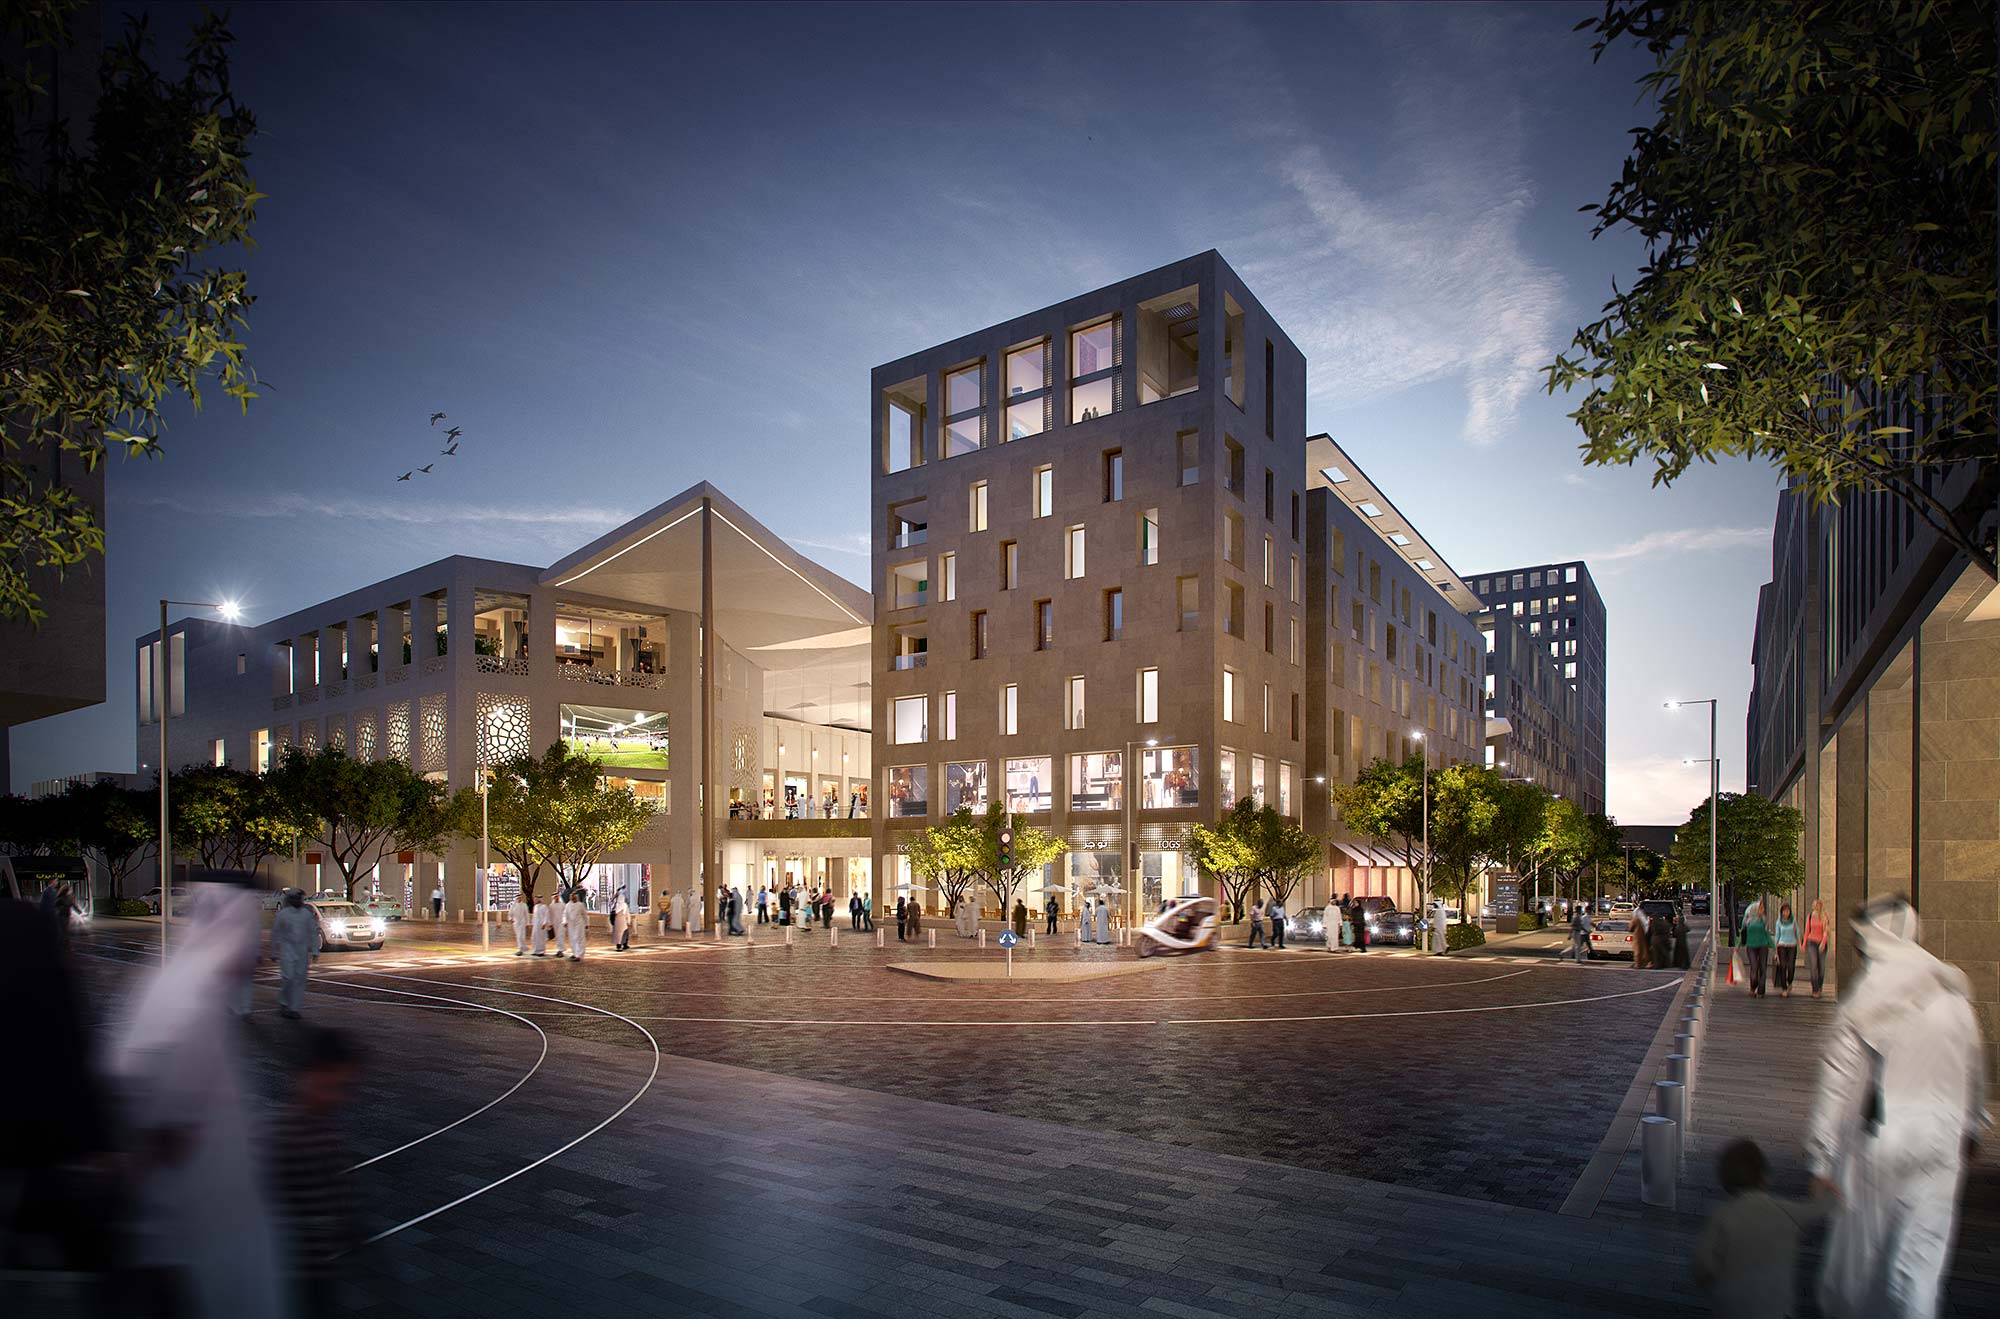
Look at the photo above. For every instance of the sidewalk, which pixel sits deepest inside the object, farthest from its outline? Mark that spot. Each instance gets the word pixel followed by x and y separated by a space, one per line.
pixel 1756 1074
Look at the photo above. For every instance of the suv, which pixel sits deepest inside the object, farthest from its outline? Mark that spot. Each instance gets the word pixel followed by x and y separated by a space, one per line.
pixel 344 925
pixel 1385 924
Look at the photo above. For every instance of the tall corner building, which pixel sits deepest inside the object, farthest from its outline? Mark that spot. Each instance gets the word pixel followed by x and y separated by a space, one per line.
pixel 1558 631
pixel 1102 601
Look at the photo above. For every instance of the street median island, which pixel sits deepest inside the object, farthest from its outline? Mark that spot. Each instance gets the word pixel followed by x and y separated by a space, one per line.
pixel 1046 972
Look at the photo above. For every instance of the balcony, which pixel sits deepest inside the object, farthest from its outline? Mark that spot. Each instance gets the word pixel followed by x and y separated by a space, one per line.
pixel 898 663
pixel 914 536
pixel 608 677
pixel 516 665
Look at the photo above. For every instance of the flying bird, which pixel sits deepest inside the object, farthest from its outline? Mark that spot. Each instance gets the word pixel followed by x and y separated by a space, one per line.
pixel 426 467
pixel 436 417
pixel 452 433
pixel 405 476
pixel 452 450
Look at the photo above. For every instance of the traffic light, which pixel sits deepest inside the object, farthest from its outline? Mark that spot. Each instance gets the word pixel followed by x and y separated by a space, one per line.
pixel 1006 848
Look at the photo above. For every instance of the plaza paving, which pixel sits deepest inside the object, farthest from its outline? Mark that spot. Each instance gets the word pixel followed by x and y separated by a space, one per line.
pixel 1244 1132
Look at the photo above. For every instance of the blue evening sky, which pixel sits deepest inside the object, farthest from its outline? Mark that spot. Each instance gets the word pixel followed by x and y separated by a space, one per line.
pixel 630 247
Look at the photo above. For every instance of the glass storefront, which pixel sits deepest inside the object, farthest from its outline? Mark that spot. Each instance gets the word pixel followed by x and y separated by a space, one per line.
pixel 1167 778
pixel 1097 781
pixel 965 786
pixel 1029 784
pixel 908 790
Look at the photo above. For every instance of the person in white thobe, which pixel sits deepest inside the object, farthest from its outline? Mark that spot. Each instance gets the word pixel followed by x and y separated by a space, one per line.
pixel 543 918
pixel 1900 1111
pixel 518 915
pixel 200 1205
pixel 575 919
pixel 295 943
pixel 677 911
pixel 1329 924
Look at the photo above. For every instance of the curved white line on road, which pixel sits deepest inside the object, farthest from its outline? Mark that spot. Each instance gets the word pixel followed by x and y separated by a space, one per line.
pixel 1109 998
pixel 461 1003
pixel 624 1108
pixel 1427 1012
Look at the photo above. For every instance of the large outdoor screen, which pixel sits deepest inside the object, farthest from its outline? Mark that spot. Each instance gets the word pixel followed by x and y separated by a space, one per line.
pixel 622 739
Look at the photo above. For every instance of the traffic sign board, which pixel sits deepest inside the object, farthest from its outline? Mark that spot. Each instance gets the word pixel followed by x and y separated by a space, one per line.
pixel 1008 939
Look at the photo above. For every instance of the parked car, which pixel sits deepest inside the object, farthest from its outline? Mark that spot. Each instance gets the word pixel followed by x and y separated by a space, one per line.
pixel 1652 907
pixel 151 897
pixel 381 904
pixel 1698 904
pixel 342 924
pixel 1386 924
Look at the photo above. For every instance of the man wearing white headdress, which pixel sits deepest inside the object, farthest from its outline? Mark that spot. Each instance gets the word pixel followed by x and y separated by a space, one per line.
pixel 575 919
pixel 544 920
pixel 519 915
pixel 1900 1111
pixel 200 1203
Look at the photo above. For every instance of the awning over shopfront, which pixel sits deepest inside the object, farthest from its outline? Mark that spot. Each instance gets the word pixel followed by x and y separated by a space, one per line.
pixel 1382 858
pixel 1356 854
pixel 806 627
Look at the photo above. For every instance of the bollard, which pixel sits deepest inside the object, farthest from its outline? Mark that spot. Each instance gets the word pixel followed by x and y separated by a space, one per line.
pixel 1684 1044
pixel 1659 1160
pixel 931 936
pixel 982 938
pixel 1079 936
pixel 788 936
pixel 880 935
pixel 1031 936
pixel 832 937
pixel 1680 1068
pixel 717 935
pixel 1670 1101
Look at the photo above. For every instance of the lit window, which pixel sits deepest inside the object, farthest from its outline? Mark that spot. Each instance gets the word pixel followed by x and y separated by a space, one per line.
pixel 1094 363
pixel 976 507
pixel 1044 494
pixel 1073 708
pixel 1010 710
pixel 1225 773
pixel 1073 554
pixel 1097 781
pixel 1270 563
pixel 1229 696
pixel 1010 563
pixel 979 634
pixel 1257 779
pixel 1266 725
pixel 1028 391
pixel 948 576
pixel 1029 783
pixel 948 717
pixel 965 411
pixel 1149 696
pixel 1295 579
pixel 912 720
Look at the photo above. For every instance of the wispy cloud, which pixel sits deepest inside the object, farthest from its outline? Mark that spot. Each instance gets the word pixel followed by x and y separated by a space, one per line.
pixel 1576 479
pixel 1686 540
pixel 1422 273
pixel 591 519
pixel 853 543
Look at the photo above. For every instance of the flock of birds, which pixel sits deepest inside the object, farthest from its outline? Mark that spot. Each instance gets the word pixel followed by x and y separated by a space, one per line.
pixel 451 434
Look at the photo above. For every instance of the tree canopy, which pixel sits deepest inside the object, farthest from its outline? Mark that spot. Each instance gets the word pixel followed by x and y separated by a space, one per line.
pixel 112 301
pixel 229 819
pixel 1252 849
pixel 1756 847
pixel 1816 198
pixel 553 810
pixel 1573 840
pixel 1385 803
pixel 950 855
pixel 117 825
pixel 1033 849
pixel 359 811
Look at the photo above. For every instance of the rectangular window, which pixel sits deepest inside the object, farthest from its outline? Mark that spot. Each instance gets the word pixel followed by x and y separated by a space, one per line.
pixel 1073 707
pixel 1229 696
pixel 1093 366
pixel 1030 783
pixel 1169 345
pixel 1270 495
pixel 979 634
pixel 975 513
pixel 1114 614
pixel 903 426
pixel 909 584
pixel 964 410
pixel 1097 781
pixel 1270 629
pixel 1264 709
pixel 1292 647
pixel 1045 624
pixel 1028 391
pixel 1149 536
pixel 216 754
pixel 1225 775
pixel 1149 696
pixel 1295 515
pixel 1232 471
pixel 1295 716
pixel 1295 579
pixel 1010 710
pixel 1010 564
pixel 1232 538
pixel 1167 778
pixel 1284 788
pixel 1232 612
pixel 1270 563
pixel 1043 497
pixel 908 789
pixel 911 721
pixel 1114 475
pixel 948 717
pixel 1073 562
pixel 948 576
pixel 1270 390
pixel 965 786
pixel 1188 591
pixel 1187 448
pixel 1257 779
pixel 242 662
pixel 1232 350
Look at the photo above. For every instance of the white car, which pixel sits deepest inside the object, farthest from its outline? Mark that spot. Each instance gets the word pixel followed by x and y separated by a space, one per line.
pixel 381 904
pixel 344 925
pixel 1611 933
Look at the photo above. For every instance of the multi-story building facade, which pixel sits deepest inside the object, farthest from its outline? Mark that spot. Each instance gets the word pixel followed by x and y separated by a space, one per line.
pixel 465 662
pixel 1532 726
pixel 1559 609
pixel 1394 662
pixel 1089 537
pixel 1874 709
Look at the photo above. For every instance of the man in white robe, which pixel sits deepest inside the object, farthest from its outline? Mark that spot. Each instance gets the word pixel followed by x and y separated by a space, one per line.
pixel 1329 922
pixel 295 942
pixel 518 915
pixel 575 920
pixel 694 910
pixel 200 1205
pixel 1900 1112
pixel 542 919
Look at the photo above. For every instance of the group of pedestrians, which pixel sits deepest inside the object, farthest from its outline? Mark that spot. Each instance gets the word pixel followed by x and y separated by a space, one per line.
pixel 565 922
pixel 1271 913
pixel 1659 941
pixel 1774 947
pixel 794 904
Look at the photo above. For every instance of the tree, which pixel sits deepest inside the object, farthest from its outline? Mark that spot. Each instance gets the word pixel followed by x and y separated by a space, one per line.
pixel 360 811
pixel 117 825
pixel 519 798
pixel 1470 823
pixel 1817 203
pixel 27 826
pixel 1572 841
pixel 1033 849
pixel 584 825
pixel 1386 803
pixel 1255 848
pixel 1756 847
pixel 111 304
pixel 1648 871
pixel 950 855
pixel 229 819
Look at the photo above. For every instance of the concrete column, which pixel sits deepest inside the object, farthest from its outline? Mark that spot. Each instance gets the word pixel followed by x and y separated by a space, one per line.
pixel 1850 826
pixel 329 655
pixel 424 620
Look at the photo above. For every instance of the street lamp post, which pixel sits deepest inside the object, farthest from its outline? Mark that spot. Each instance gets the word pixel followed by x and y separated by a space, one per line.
pixel 1128 773
pixel 1714 806
pixel 1426 747
pixel 485 876
pixel 163 705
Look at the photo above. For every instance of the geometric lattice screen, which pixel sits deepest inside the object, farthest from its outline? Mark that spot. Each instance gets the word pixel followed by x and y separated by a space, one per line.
pixel 399 730
pixel 336 731
pixel 500 727
pixel 309 736
pixel 431 713
pixel 364 735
